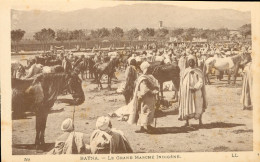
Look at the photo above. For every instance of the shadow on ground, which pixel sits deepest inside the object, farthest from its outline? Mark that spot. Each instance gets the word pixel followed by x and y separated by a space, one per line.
pixel 70 102
pixel 174 130
pixel 45 147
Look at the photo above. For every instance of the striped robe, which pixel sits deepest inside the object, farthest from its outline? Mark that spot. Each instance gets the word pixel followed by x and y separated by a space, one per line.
pixel 192 104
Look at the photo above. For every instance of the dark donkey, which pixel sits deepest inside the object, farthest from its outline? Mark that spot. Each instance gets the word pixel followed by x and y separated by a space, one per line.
pixel 163 73
pixel 39 95
pixel 106 68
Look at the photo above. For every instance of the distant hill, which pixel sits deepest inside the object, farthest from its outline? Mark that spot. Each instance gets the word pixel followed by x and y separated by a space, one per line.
pixel 129 16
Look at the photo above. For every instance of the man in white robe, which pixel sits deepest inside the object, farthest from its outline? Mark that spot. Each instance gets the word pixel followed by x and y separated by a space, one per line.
pixel 108 140
pixel 70 142
pixel 182 63
pixel 246 95
pixel 34 69
pixel 144 100
pixel 193 100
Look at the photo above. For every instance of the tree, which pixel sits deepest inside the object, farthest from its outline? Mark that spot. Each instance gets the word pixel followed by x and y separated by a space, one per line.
pixel 100 33
pixel 176 32
pixel 161 33
pixel 44 36
pixel 188 34
pixel 16 37
pixel 222 32
pixel 62 35
pixel 132 34
pixel 78 35
pixel 245 30
pixel 117 33
pixel 147 33
pixel 210 34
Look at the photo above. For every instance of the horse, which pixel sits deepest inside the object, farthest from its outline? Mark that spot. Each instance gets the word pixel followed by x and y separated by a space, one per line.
pixel 90 67
pixel 30 62
pixel 46 61
pixel 124 60
pixel 230 64
pixel 66 64
pixel 39 94
pixel 164 73
pixel 108 68
pixel 38 68
pixel 17 70
pixel 81 67
pixel 53 62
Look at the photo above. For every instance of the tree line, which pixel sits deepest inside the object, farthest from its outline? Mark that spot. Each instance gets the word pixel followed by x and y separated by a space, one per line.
pixel 45 36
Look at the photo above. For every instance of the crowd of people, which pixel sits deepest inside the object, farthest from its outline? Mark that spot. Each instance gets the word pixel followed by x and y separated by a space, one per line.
pixel 141 92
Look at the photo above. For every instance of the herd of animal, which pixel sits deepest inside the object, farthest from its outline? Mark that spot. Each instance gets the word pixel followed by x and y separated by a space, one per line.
pixel 36 86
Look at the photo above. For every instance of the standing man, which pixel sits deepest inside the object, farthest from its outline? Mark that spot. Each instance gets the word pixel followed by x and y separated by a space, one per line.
pixel 144 101
pixel 182 63
pixel 247 86
pixel 193 100
pixel 131 76
pixel 66 64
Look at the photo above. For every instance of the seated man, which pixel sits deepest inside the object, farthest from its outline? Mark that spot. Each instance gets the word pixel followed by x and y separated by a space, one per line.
pixel 70 142
pixel 105 140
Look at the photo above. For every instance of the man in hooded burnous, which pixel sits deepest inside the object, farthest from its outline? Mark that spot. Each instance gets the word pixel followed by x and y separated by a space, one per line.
pixel 70 142
pixel 108 140
pixel 193 100
pixel 246 96
pixel 131 76
pixel 182 63
pixel 144 101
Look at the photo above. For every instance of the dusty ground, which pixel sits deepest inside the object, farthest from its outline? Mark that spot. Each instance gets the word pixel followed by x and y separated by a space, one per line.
pixel 226 126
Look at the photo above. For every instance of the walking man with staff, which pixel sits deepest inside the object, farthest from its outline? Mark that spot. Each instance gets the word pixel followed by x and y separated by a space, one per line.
pixel 144 101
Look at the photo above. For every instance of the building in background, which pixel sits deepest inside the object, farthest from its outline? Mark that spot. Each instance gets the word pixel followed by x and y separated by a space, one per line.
pixel 160 24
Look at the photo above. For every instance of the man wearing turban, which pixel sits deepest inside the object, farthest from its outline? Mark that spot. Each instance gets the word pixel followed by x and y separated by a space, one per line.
pixel 143 102
pixel 70 142
pixel 246 96
pixel 182 63
pixel 193 101
pixel 131 76
pixel 108 140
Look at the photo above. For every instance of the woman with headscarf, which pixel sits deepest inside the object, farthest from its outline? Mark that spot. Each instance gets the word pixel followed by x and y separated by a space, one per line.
pixel 144 100
pixel 193 101
pixel 108 140
pixel 70 142
pixel 131 76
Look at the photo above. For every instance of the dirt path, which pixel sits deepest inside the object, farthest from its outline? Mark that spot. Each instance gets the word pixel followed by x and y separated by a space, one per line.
pixel 226 126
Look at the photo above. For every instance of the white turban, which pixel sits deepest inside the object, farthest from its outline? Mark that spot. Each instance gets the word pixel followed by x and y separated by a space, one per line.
pixel 144 66
pixel 67 125
pixel 217 51
pixel 191 57
pixel 138 59
pixel 167 60
pixel 243 50
pixel 103 123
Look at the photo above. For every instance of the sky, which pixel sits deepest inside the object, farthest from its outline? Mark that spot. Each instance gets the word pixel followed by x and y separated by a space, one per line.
pixel 70 5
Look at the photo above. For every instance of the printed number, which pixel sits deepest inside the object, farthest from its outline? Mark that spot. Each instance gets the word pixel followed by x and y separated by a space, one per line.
pixel 26 159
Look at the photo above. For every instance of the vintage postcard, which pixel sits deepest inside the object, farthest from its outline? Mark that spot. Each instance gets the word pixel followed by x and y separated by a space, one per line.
pixel 89 80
